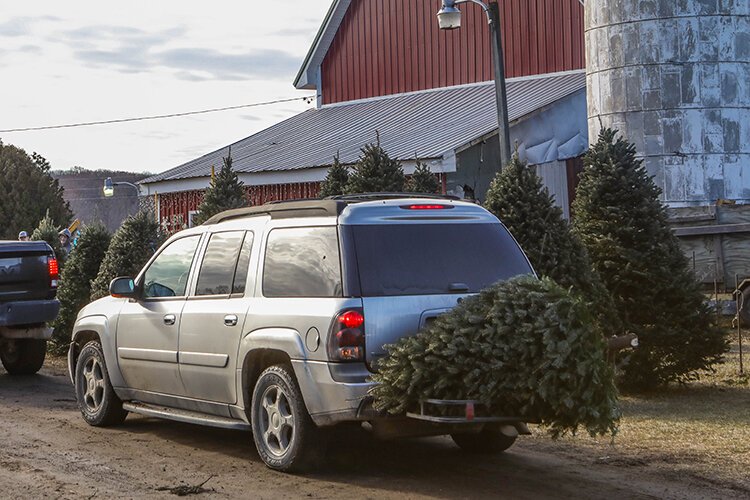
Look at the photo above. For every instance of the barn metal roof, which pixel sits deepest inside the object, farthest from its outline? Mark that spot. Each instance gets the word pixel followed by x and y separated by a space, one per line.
pixel 425 124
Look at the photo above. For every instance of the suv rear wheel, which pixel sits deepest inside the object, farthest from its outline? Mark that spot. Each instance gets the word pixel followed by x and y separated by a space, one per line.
pixel 488 440
pixel 23 356
pixel 98 402
pixel 284 434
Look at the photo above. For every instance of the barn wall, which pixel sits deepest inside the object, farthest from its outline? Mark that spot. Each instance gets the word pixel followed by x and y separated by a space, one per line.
pixel 181 203
pixel 386 47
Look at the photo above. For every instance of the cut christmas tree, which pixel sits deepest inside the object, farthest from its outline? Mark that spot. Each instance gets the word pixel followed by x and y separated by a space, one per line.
pixel 519 199
pixel 48 231
pixel 335 180
pixel 524 348
pixel 623 225
pixel 375 172
pixel 422 180
pixel 75 283
pixel 131 247
pixel 225 192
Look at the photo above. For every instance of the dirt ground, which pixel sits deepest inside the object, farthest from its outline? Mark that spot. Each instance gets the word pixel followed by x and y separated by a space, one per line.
pixel 47 451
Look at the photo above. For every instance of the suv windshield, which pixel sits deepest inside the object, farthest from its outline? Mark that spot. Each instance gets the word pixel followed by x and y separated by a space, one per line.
pixel 425 259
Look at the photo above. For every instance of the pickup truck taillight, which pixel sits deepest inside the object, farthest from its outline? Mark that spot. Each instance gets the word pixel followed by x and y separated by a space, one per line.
pixel 346 341
pixel 53 271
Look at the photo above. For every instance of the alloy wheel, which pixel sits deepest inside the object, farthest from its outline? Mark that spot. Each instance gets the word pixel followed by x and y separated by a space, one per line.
pixel 93 380
pixel 277 420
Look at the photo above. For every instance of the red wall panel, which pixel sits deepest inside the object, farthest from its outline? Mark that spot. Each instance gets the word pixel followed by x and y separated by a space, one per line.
pixel 182 202
pixel 387 47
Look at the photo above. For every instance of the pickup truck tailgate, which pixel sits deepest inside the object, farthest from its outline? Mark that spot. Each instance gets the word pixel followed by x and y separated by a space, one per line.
pixel 24 273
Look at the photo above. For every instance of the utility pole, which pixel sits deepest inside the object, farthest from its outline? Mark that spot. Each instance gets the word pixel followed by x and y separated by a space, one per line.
pixel 503 127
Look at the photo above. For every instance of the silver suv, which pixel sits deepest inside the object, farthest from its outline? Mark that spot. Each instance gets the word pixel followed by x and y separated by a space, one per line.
pixel 272 318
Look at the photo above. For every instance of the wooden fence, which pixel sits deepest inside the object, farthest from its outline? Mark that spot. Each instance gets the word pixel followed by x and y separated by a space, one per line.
pixel 716 239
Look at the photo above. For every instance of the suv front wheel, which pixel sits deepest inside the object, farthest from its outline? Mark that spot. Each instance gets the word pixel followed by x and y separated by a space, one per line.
pixel 98 402
pixel 284 434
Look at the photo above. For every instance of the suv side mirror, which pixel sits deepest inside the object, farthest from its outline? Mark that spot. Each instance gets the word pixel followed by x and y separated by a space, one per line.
pixel 123 287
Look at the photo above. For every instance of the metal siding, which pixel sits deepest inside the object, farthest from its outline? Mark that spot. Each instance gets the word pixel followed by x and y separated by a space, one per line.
pixel 407 125
pixel 386 47
pixel 533 42
pixel 554 176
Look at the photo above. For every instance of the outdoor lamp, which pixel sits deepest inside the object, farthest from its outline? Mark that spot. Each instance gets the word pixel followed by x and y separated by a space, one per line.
pixel 109 188
pixel 449 17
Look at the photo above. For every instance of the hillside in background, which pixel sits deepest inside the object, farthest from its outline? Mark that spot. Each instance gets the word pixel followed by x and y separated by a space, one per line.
pixel 83 190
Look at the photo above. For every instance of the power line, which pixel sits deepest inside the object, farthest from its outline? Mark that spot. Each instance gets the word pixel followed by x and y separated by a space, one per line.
pixel 307 99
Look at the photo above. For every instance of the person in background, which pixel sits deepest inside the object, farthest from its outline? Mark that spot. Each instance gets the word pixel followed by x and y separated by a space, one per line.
pixel 65 243
pixel 23 236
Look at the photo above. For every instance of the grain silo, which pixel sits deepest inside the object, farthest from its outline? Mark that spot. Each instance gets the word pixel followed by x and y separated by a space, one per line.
pixel 674 77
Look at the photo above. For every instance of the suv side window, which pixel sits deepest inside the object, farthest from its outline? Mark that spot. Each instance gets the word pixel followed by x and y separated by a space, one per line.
pixel 167 276
pixel 302 262
pixel 219 264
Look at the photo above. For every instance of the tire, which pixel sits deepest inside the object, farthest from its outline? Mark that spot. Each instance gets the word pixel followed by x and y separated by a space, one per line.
pixel 285 436
pixel 23 356
pixel 97 401
pixel 488 440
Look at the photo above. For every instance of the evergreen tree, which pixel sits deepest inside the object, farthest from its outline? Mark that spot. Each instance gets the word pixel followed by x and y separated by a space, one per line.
pixel 49 232
pixel 422 180
pixel 224 193
pixel 28 192
pixel 622 223
pixel 375 172
pixel 130 248
pixel 519 199
pixel 75 283
pixel 523 347
pixel 336 179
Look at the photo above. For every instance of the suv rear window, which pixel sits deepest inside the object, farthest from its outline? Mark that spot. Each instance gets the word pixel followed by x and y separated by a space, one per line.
pixel 302 262
pixel 426 259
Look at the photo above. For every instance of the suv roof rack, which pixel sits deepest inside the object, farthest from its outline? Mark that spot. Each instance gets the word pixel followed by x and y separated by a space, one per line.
pixel 282 210
pixel 390 196
pixel 330 206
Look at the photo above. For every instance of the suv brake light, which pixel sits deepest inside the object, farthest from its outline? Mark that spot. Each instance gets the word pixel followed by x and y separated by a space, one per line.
pixel 346 340
pixel 53 271
pixel 426 207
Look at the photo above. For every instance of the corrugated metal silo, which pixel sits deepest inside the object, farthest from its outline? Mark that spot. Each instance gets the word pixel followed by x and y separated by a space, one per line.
pixel 674 77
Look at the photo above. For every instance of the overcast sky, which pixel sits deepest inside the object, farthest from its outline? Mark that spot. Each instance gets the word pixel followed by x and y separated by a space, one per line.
pixel 79 61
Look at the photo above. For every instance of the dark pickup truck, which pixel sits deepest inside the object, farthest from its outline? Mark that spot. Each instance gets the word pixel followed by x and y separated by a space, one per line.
pixel 28 284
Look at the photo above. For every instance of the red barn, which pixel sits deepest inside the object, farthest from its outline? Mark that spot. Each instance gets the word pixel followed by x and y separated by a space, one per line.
pixel 383 65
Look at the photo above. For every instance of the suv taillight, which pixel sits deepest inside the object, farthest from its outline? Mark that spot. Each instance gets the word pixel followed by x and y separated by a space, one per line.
pixel 346 340
pixel 53 271
pixel 426 206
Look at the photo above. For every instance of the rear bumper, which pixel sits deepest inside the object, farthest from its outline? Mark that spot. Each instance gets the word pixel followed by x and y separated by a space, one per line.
pixel 28 312
pixel 330 402
pixel 18 333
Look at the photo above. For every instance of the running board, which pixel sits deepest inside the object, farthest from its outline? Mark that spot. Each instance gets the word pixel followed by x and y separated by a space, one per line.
pixel 186 416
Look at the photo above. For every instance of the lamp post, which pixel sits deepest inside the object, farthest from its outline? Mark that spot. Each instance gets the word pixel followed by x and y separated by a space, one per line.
pixel 109 187
pixel 449 18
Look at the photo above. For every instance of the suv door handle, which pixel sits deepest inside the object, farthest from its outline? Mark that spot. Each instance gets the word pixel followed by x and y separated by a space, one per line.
pixel 230 320
pixel 169 319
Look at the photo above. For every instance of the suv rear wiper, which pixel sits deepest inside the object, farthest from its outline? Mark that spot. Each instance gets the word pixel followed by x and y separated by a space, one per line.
pixel 458 287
